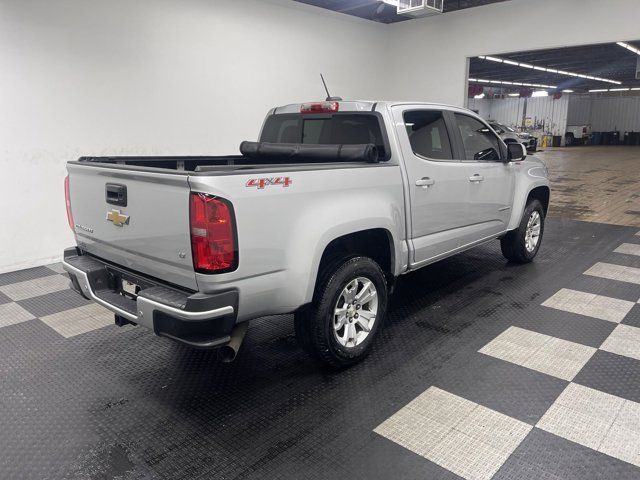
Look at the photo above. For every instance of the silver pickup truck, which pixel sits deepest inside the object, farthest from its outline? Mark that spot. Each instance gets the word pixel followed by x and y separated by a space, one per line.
pixel 318 218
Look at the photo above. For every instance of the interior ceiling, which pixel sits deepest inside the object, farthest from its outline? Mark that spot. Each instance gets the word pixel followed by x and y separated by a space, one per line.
pixel 379 11
pixel 607 60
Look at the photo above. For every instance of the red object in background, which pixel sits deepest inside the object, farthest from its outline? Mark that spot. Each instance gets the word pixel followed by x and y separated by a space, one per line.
pixel 67 201
pixel 475 89
pixel 557 95
pixel 526 93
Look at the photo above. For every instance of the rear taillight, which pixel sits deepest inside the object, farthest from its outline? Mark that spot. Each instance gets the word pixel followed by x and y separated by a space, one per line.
pixel 67 201
pixel 319 107
pixel 213 235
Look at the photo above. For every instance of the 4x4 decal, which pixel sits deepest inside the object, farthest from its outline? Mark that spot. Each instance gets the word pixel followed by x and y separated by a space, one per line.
pixel 260 183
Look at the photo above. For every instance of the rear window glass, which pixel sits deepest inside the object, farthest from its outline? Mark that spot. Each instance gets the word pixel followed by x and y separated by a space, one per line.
pixel 336 129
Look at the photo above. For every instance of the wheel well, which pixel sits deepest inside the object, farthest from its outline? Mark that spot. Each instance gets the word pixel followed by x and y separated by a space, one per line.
pixel 376 244
pixel 541 194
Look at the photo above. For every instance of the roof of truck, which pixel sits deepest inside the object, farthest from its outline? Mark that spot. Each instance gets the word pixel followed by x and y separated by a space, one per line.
pixel 365 105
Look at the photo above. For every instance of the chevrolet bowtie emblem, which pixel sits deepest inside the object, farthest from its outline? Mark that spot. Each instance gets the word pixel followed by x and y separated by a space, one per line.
pixel 117 218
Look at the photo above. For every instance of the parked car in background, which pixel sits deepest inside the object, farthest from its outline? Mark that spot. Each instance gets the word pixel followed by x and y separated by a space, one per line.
pixel 510 135
pixel 318 219
pixel 577 135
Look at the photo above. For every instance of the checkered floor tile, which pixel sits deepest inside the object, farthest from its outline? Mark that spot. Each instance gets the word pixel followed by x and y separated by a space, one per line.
pixel 474 441
pixel 43 294
pixel 615 272
pixel 465 438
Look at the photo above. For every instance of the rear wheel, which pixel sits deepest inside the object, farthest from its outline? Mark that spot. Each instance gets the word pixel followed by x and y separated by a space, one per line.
pixel 347 312
pixel 522 244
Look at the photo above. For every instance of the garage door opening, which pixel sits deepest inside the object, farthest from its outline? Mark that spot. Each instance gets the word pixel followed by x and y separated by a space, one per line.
pixel 578 108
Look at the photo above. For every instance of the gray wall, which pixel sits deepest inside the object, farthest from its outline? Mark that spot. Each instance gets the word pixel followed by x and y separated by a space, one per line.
pixel 606 113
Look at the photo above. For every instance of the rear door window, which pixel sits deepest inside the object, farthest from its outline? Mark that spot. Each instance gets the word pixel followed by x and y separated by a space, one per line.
pixel 428 134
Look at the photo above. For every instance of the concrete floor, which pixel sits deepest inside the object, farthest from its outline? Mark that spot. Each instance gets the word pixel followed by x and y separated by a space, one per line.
pixel 595 184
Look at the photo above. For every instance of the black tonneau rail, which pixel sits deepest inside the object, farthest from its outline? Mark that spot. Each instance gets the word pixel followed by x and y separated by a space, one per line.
pixel 188 163
pixel 254 155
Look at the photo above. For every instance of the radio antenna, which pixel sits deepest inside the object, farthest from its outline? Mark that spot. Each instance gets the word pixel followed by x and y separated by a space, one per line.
pixel 329 97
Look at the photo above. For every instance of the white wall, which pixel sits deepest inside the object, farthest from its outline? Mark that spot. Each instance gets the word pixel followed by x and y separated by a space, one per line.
pixel 430 53
pixel 109 77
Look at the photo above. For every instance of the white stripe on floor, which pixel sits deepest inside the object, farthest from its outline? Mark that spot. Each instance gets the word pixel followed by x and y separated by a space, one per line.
pixel 467 439
pixel 624 340
pixel 35 287
pixel 79 320
pixel 615 272
pixel 56 267
pixel 589 304
pixel 597 420
pixel 550 355
pixel 629 249
pixel 12 313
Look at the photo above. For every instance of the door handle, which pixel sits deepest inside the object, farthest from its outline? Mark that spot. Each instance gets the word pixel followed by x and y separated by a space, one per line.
pixel 476 178
pixel 425 182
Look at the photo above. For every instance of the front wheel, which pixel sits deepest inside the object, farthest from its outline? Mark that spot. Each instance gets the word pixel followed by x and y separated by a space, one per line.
pixel 522 244
pixel 347 312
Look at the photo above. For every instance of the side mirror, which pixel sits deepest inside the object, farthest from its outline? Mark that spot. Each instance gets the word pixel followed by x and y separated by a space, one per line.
pixel 517 152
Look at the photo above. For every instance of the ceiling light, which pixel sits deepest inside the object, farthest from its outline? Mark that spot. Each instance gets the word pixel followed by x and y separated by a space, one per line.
pixel 501 82
pixel 631 48
pixel 598 90
pixel 540 93
pixel 514 94
pixel 558 72
pixel 567 91
pixel 479 96
pixel 391 2
pixel 618 89
pixel 635 89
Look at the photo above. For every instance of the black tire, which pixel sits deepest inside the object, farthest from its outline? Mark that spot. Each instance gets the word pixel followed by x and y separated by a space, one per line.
pixel 513 244
pixel 314 325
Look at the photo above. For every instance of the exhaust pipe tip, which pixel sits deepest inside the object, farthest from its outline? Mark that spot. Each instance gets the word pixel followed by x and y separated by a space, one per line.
pixel 229 352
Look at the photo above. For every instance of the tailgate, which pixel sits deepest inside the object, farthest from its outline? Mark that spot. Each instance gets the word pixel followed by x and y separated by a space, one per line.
pixel 147 232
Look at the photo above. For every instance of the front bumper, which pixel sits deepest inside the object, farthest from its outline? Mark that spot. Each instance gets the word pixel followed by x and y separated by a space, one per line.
pixel 196 319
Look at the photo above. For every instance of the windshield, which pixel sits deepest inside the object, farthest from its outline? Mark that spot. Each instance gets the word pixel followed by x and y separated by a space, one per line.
pixel 334 129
